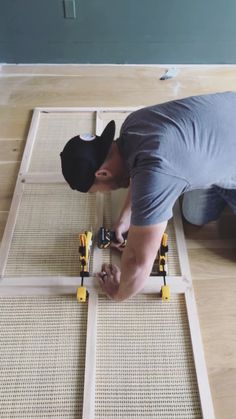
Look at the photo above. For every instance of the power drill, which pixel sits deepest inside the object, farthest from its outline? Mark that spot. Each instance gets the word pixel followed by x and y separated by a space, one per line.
pixel 105 237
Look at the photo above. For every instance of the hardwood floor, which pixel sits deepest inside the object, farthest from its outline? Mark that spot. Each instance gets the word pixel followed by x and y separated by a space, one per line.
pixel 212 249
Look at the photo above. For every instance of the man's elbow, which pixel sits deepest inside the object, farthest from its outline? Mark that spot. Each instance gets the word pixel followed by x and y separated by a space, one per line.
pixel 123 295
pixel 132 285
pixel 138 263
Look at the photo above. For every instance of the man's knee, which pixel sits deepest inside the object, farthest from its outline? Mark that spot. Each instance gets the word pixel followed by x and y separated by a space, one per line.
pixel 201 207
pixel 195 218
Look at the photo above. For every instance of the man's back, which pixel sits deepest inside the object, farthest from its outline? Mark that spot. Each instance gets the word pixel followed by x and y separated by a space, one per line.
pixel 188 144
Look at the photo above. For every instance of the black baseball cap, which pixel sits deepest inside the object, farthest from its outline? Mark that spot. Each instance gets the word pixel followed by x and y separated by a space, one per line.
pixel 83 155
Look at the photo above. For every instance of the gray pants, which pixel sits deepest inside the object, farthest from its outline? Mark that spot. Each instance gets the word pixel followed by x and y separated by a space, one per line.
pixel 204 205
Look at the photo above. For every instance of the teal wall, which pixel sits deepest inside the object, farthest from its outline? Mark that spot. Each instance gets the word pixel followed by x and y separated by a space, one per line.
pixel 119 31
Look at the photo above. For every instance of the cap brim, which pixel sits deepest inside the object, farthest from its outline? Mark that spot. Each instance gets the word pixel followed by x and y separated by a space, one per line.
pixel 106 138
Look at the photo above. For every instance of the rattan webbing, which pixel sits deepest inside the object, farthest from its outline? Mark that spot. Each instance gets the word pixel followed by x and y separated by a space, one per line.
pixel 42 357
pixel 45 240
pixel 144 362
pixel 53 132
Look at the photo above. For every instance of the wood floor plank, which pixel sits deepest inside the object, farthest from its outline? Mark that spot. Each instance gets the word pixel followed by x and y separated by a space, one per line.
pixel 11 149
pixel 116 85
pixel 208 263
pixel 223 385
pixel 14 121
pixel 211 244
pixel 224 228
pixel 218 293
pixel 8 176
pixel 217 313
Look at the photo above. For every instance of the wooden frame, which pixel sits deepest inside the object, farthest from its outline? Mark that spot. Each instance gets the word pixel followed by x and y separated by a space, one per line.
pixel 68 285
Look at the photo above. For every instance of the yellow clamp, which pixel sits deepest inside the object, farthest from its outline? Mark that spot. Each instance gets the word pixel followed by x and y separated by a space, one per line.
pixel 165 292
pixel 81 294
pixel 85 244
pixel 164 240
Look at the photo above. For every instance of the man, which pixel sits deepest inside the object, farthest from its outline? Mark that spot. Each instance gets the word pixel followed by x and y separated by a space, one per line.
pixel 184 146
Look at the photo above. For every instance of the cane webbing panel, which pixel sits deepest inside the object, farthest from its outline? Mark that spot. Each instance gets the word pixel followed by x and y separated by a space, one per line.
pixel 144 362
pixel 45 240
pixel 53 132
pixel 42 357
pixel 173 257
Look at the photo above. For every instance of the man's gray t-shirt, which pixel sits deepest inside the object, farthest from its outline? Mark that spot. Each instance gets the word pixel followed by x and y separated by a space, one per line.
pixel 176 147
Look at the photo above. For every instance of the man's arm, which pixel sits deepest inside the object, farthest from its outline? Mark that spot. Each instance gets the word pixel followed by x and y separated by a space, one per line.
pixel 136 263
pixel 123 223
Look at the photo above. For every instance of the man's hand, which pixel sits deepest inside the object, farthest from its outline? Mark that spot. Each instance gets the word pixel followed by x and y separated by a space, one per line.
pixel 136 262
pixel 138 257
pixel 109 279
pixel 120 228
pixel 123 223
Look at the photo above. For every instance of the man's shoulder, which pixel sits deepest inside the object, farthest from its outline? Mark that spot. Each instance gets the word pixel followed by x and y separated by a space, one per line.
pixel 167 116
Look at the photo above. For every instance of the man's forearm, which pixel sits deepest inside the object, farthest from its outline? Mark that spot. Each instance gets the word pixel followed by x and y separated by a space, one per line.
pixel 136 262
pixel 133 276
pixel 122 225
pixel 138 258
